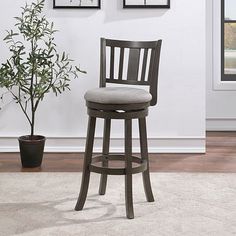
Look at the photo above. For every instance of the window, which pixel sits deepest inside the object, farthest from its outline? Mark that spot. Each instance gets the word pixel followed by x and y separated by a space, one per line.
pixel 228 40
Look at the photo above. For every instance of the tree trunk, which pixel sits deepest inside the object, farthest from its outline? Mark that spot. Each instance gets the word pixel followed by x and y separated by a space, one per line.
pixel 32 123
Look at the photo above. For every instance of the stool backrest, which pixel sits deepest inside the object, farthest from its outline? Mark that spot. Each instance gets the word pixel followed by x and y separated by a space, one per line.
pixel 142 63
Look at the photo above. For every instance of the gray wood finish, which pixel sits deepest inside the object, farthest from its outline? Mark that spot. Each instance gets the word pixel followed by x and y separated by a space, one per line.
pixel 130 44
pixel 128 167
pixel 132 82
pixel 105 152
pixel 144 66
pixel 114 107
pixel 144 156
pixel 133 67
pixel 112 58
pixel 134 48
pixel 103 63
pixel 121 63
pixel 142 165
pixel 130 111
pixel 118 115
pixel 153 73
pixel 87 161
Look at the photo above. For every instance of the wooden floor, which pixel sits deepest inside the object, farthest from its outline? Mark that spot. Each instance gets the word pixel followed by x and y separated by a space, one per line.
pixel 220 157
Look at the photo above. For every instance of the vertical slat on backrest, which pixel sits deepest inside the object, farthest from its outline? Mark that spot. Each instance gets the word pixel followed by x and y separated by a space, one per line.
pixel 112 62
pixel 144 66
pixel 121 64
pixel 152 61
pixel 103 63
pixel 133 65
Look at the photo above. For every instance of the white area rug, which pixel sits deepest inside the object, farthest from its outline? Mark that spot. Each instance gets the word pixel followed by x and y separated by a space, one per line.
pixel 41 204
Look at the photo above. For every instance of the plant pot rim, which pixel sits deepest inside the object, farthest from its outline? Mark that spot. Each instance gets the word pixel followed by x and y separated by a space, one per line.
pixel 29 139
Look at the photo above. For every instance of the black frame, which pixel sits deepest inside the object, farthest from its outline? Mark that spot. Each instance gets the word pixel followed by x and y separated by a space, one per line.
pixel 77 7
pixel 224 77
pixel 146 6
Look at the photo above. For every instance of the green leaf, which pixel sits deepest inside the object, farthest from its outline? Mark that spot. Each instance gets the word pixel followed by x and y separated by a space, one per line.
pixel 7 37
pixel 18 18
pixel 63 56
pixel 79 70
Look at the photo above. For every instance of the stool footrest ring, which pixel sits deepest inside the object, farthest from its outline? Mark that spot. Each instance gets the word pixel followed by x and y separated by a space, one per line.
pixel 142 165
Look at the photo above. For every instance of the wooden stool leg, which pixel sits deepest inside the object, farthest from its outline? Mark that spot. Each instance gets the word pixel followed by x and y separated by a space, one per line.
pixel 105 152
pixel 87 161
pixel 144 156
pixel 128 166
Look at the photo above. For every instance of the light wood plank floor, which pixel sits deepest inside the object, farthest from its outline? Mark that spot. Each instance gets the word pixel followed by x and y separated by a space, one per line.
pixel 220 157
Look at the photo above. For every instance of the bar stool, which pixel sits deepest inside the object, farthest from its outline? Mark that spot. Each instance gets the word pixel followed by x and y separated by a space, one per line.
pixel 125 103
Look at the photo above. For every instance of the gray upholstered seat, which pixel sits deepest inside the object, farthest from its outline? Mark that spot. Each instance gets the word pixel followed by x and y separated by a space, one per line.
pixel 118 95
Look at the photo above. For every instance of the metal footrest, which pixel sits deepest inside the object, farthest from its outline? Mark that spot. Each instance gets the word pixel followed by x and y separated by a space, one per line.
pixel 142 165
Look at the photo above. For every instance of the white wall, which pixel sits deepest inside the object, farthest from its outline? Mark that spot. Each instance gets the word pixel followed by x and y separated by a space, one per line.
pixel 220 104
pixel 177 124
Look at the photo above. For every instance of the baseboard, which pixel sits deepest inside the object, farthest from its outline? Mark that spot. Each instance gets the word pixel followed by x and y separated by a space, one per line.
pixel 74 144
pixel 221 124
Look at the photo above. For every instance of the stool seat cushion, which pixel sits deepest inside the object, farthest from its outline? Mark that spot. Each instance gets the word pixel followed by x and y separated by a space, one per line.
pixel 118 95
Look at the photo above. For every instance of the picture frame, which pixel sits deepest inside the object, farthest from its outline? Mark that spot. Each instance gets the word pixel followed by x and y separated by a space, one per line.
pixel 77 4
pixel 146 3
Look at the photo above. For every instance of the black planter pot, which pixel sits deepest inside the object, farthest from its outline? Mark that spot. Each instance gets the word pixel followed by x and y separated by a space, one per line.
pixel 31 150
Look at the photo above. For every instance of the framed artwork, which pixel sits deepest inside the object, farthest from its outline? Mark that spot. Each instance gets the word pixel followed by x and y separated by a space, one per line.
pixel 146 3
pixel 77 4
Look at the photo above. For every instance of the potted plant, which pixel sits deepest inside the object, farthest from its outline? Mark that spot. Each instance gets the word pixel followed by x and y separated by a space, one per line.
pixel 34 69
